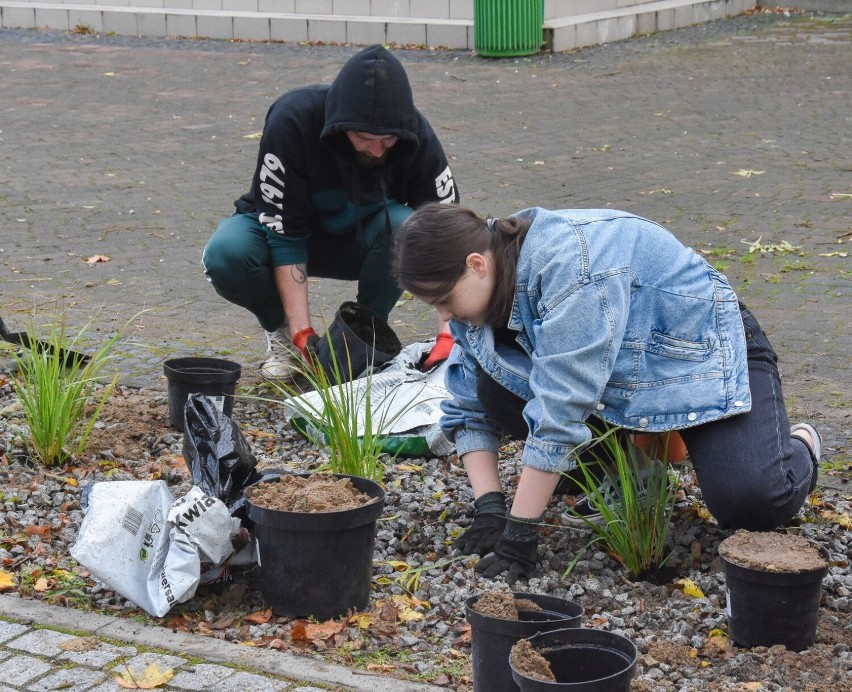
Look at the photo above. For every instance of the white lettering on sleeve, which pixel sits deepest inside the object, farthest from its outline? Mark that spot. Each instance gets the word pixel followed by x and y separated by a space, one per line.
pixel 273 223
pixel 445 186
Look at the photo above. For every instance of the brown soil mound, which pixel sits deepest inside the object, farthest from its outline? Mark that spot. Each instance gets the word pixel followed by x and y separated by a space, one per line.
pixel 531 663
pixel 315 493
pixel 503 605
pixel 771 552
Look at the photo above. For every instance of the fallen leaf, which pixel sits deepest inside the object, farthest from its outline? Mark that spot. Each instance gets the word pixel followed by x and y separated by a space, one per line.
pixel 259 617
pixel 834 254
pixel 308 631
pixel 223 622
pixel 398 565
pixel 363 620
pixel 151 678
pixel 381 667
pixel 7 580
pixel 253 135
pixel 41 584
pixel 95 259
pixel 745 173
pixel 690 588
pixel 408 467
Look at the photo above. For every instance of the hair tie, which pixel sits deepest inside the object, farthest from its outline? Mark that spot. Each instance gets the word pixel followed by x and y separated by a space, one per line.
pixel 491 223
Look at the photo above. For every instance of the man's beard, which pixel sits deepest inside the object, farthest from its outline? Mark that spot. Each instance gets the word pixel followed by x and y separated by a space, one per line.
pixel 367 161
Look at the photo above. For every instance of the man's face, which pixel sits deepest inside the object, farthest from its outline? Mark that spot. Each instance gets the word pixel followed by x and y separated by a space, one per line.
pixel 371 150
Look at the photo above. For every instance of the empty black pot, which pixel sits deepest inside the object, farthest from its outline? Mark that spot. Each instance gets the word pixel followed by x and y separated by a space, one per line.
pixel 493 638
pixel 769 608
pixel 317 564
pixel 356 340
pixel 214 377
pixel 582 660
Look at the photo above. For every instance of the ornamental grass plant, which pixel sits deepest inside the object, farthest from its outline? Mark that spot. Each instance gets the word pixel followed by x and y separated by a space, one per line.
pixel 338 411
pixel 635 502
pixel 62 396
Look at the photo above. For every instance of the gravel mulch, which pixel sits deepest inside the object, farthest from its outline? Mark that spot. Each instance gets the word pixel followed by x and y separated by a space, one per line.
pixel 416 626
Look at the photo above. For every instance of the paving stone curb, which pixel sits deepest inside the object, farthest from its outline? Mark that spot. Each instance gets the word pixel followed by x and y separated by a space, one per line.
pixel 31 632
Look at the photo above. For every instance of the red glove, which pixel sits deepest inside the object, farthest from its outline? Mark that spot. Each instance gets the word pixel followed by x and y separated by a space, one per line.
pixel 440 351
pixel 307 342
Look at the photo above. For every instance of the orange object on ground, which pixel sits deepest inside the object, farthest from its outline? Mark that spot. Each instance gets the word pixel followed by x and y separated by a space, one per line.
pixel 656 444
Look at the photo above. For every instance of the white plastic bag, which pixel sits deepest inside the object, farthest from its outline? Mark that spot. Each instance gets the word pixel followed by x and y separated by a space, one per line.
pixel 408 398
pixel 206 522
pixel 134 541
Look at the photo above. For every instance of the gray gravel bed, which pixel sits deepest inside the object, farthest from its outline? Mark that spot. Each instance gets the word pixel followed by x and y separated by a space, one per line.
pixel 428 503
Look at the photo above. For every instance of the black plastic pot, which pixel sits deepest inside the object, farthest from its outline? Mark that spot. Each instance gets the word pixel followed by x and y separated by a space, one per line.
pixel 356 340
pixel 317 564
pixel 769 608
pixel 213 377
pixel 493 638
pixel 582 660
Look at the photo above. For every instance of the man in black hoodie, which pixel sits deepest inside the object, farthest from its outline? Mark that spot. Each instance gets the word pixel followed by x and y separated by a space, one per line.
pixel 340 167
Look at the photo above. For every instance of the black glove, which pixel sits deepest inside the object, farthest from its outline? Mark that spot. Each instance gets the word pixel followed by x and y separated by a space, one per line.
pixel 482 535
pixel 312 346
pixel 516 558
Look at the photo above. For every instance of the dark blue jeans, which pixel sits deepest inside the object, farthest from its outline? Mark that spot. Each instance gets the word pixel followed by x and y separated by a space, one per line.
pixel 752 473
pixel 237 262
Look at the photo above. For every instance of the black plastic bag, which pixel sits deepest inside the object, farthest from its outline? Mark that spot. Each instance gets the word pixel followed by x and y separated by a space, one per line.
pixel 217 454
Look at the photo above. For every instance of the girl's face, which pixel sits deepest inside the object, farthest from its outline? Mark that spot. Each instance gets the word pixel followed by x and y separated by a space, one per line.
pixel 470 296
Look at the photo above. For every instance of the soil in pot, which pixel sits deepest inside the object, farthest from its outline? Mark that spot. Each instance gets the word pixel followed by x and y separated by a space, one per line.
pixel 498 620
pixel 316 493
pixel 504 605
pixel 530 662
pixel 579 659
pixel 771 552
pixel 774 585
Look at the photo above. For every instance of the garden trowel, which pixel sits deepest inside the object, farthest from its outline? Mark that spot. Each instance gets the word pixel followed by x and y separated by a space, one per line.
pixel 24 340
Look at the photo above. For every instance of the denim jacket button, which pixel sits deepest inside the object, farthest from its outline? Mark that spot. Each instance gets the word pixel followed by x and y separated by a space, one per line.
pixel 643 422
pixel 692 415
pixel 600 407
pixel 738 403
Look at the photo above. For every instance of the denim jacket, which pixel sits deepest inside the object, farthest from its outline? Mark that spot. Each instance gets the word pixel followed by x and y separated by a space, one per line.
pixel 615 318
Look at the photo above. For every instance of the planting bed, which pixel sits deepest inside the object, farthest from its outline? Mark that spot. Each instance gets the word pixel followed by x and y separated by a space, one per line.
pixel 415 626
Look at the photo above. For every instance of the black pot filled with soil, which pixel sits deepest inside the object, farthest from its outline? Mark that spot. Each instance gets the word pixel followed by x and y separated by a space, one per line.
pixel 315 554
pixel 498 620
pixel 574 660
pixel 774 585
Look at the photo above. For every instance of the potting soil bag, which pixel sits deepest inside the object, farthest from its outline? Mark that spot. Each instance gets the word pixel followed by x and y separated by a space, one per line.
pixel 207 524
pixel 405 405
pixel 135 542
pixel 217 454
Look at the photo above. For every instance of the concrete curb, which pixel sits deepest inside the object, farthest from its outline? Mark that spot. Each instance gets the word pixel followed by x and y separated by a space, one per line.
pixel 276 663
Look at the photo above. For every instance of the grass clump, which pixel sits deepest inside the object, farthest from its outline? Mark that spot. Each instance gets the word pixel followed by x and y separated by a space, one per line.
pixel 635 517
pixel 55 391
pixel 340 412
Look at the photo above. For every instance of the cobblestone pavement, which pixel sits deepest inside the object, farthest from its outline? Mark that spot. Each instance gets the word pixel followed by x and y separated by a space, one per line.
pixel 735 135
pixel 46 647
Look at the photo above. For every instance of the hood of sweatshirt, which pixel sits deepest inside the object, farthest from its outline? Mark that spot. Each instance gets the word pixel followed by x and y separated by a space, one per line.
pixel 371 94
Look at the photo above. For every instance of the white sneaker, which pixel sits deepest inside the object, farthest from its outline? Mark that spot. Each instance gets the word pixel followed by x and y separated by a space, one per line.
pixel 280 363
pixel 816 441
